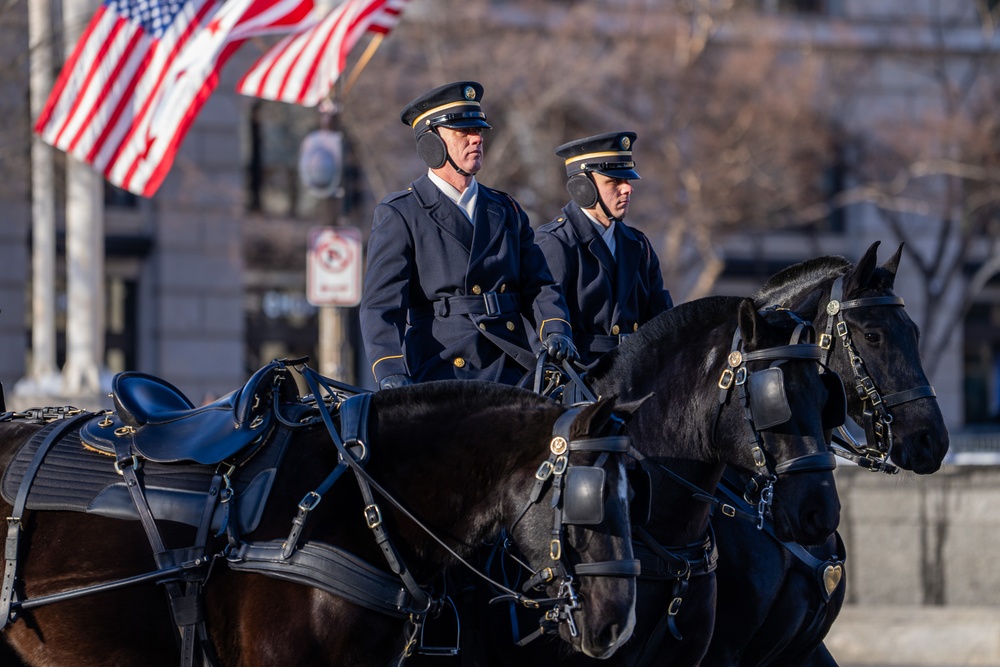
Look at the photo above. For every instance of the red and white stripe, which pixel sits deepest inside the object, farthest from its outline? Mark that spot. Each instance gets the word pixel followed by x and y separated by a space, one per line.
pixel 302 68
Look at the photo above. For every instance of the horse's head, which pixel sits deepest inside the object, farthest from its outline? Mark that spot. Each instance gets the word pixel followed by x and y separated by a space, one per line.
pixel 877 354
pixel 576 534
pixel 789 408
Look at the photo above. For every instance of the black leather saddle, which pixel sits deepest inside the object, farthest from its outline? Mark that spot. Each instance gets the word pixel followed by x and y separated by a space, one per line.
pixel 166 427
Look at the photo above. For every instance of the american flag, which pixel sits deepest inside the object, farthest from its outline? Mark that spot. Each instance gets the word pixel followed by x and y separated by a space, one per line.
pixel 140 74
pixel 303 67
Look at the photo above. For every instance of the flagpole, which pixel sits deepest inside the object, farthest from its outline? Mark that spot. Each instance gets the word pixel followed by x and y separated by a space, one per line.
pixel 370 50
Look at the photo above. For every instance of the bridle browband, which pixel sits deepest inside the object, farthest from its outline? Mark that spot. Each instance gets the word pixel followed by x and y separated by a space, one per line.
pixel 877 419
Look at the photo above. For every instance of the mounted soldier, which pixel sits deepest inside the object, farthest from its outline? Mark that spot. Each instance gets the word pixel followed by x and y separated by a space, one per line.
pixel 608 271
pixel 455 281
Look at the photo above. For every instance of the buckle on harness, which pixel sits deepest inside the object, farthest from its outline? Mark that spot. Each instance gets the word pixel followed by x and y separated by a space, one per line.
pixel 492 302
pixel 373 516
pixel 310 501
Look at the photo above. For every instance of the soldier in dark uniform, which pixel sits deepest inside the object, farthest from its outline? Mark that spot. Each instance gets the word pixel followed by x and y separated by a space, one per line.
pixel 608 271
pixel 453 269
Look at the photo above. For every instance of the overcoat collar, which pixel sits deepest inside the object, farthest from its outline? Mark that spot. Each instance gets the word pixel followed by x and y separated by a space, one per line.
pixel 443 211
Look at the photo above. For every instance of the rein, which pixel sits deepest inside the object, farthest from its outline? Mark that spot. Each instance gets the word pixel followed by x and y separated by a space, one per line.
pixel 877 417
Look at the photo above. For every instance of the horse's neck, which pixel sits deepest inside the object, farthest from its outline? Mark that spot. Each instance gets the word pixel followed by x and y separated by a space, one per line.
pixel 678 518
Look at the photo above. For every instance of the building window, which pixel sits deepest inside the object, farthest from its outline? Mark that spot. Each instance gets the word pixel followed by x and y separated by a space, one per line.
pixel 794 6
pixel 275 132
pixel 115 197
pixel 982 364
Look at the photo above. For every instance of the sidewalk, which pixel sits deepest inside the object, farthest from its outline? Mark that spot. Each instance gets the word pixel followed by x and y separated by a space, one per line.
pixel 877 636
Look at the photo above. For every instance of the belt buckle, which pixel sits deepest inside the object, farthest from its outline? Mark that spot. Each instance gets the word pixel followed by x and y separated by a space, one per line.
pixel 492 302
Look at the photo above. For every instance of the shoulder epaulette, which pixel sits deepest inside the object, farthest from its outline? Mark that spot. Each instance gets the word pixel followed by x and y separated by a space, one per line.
pixel 393 196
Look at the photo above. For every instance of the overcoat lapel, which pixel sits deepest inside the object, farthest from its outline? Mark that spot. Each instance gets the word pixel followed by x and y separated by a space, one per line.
pixel 593 242
pixel 488 225
pixel 443 211
pixel 627 273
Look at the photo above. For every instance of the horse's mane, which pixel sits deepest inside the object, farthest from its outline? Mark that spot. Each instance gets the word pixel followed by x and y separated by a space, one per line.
pixel 798 278
pixel 460 396
pixel 686 322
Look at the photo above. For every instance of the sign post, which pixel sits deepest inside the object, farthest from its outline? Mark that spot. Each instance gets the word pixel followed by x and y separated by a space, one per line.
pixel 333 283
pixel 333 276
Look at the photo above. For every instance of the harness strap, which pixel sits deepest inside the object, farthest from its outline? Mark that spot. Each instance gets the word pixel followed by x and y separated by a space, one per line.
pixel 184 597
pixel 7 593
pixel 354 426
pixel 817 462
pixel 332 570
pixel 373 515
pixel 703 561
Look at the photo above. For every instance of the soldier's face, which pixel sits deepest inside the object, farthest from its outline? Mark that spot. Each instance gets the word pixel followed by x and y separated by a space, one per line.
pixel 465 146
pixel 616 193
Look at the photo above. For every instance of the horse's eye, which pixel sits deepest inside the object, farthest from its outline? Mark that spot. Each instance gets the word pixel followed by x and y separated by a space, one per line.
pixel 873 337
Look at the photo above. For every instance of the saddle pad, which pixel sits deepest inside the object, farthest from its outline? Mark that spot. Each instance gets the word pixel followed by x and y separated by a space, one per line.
pixel 73 478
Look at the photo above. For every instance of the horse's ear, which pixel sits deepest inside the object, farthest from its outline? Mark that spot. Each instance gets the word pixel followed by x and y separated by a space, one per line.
pixel 861 276
pixel 595 416
pixel 749 320
pixel 892 265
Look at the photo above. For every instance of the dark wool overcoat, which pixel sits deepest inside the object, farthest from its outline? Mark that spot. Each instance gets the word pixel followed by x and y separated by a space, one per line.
pixel 446 299
pixel 607 296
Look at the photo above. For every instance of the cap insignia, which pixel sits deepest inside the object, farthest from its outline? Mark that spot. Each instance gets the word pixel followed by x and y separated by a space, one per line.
pixel 626 143
pixel 470 93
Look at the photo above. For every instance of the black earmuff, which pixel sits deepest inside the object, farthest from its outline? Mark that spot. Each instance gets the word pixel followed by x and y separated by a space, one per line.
pixel 583 190
pixel 431 149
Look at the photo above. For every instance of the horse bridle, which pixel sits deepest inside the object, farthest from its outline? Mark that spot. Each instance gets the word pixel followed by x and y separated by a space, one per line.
pixel 761 393
pixel 877 417
pixel 577 499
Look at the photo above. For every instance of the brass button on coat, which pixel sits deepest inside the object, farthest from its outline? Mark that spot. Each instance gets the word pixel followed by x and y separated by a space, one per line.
pixel 614 330
pixel 482 325
pixel 510 326
pixel 459 362
pixel 635 327
pixel 476 289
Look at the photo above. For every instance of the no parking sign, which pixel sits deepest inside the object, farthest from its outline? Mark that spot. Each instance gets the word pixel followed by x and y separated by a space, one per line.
pixel 333 275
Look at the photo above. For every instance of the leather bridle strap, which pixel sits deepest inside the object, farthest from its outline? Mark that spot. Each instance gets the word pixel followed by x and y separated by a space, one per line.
pixel 7 594
pixel 877 419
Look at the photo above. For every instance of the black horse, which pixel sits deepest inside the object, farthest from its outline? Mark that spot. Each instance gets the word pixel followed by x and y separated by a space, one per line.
pixel 460 458
pixel 696 420
pixel 777 601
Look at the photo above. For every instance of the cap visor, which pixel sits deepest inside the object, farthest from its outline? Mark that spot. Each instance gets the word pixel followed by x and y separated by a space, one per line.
pixel 621 173
pixel 466 123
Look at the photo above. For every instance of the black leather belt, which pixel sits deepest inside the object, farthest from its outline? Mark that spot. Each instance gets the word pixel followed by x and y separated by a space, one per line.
pixel 599 343
pixel 489 303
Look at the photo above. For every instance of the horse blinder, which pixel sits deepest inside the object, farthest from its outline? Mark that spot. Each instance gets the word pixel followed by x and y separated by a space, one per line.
pixel 768 402
pixel 835 408
pixel 640 504
pixel 583 496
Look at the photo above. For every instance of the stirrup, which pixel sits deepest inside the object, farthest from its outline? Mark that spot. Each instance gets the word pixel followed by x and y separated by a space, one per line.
pixel 424 649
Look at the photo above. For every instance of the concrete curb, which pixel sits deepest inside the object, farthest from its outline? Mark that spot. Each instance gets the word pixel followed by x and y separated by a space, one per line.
pixel 916 636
